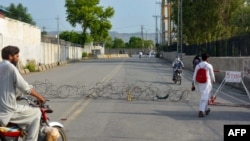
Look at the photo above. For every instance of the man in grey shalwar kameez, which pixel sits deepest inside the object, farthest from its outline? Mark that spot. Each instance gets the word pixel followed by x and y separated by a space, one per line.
pixel 25 116
pixel 204 88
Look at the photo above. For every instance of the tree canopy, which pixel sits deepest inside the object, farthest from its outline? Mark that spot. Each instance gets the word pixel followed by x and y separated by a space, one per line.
pixel 92 18
pixel 20 13
pixel 135 42
pixel 209 20
pixel 71 36
pixel 241 18
pixel 109 42
pixel 118 43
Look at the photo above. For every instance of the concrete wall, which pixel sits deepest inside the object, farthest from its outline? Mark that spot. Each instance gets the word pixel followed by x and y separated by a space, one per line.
pixel 25 36
pixel 221 64
pixel 28 38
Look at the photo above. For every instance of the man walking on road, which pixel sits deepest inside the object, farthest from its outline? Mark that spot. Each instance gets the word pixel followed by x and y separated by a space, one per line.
pixel 205 87
pixel 196 61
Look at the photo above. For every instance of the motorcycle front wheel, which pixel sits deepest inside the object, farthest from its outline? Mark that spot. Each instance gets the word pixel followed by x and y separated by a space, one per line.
pixel 62 134
pixel 178 79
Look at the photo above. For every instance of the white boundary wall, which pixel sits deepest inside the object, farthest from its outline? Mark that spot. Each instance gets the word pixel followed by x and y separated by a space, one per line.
pixel 25 36
pixel 28 38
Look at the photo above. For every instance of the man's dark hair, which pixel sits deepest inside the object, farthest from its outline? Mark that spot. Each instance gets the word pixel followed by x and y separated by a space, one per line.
pixel 9 50
pixel 204 56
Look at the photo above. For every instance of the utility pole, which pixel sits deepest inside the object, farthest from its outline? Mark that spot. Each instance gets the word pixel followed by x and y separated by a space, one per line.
pixel 163 18
pixel 169 8
pixel 142 36
pixel 43 29
pixel 179 30
pixel 160 33
pixel 58 39
pixel 156 29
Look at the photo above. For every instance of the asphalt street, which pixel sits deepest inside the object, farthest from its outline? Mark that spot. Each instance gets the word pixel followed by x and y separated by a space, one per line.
pixel 108 119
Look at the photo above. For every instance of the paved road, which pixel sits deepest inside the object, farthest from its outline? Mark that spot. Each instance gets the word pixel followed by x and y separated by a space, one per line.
pixel 105 119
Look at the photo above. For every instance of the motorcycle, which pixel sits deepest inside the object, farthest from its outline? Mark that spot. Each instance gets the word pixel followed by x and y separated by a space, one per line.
pixel 140 55
pixel 14 133
pixel 177 76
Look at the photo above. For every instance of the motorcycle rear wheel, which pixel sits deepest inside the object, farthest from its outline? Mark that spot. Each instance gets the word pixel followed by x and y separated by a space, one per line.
pixel 62 135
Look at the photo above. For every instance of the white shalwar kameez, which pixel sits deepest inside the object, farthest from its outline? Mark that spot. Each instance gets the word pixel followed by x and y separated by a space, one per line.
pixel 10 111
pixel 204 88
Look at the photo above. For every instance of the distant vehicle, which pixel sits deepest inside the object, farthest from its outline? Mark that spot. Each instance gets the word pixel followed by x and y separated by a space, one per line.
pixel 151 54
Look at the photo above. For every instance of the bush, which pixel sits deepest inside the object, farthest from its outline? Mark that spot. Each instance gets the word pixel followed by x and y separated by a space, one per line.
pixel 84 54
pixel 31 67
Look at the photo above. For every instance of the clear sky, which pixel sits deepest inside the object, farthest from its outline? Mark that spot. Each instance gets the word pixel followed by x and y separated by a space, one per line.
pixel 130 15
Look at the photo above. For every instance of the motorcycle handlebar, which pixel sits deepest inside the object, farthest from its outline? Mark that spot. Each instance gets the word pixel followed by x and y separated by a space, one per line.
pixel 31 101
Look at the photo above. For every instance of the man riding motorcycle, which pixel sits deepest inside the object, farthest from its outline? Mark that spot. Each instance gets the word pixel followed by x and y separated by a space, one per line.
pixel 24 116
pixel 177 64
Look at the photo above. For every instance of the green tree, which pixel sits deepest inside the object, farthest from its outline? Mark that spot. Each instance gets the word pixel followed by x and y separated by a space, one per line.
pixel 135 42
pixel 108 42
pixel 73 37
pixel 20 13
pixel 148 44
pixel 92 18
pixel 206 20
pixel 127 45
pixel 44 33
pixel 118 43
pixel 241 19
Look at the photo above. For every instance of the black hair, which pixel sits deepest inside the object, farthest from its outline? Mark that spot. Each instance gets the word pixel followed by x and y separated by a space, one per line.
pixel 9 50
pixel 197 57
pixel 204 56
